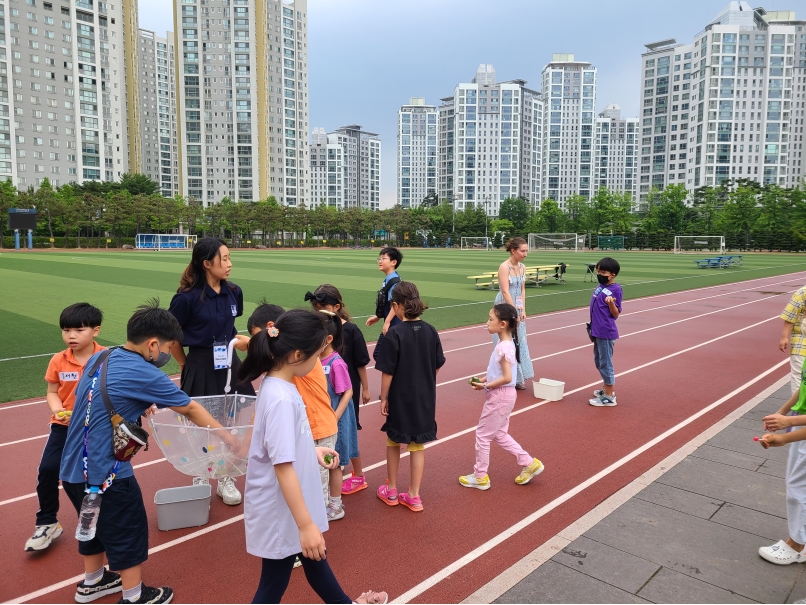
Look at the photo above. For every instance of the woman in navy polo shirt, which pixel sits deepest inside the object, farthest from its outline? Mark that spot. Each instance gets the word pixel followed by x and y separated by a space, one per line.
pixel 206 306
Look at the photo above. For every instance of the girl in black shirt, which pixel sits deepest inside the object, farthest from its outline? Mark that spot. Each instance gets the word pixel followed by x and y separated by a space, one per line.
pixel 355 354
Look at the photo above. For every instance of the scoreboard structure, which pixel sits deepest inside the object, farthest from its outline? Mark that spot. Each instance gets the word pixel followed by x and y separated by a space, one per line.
pixel 22 219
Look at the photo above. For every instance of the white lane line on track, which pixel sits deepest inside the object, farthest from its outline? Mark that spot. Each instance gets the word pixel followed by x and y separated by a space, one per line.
pixel 522 524
pixel 23 440
pixel 543 511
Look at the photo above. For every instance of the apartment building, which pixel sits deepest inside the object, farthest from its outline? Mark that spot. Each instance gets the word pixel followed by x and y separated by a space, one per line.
pixel 327 171
pixel 615 152
pixel 361 177
pixel 416 152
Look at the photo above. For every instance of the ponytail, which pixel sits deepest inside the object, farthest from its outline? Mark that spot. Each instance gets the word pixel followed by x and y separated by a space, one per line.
pixel 269 349
pixel 508 313
pixel 406 295
pixel 333 326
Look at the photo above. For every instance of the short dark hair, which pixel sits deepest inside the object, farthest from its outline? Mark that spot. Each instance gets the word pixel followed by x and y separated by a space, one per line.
pixel 609 264
pixel 80 315
pixel 263 314
pixel 151 321
pixel 297 330
pixel 393 254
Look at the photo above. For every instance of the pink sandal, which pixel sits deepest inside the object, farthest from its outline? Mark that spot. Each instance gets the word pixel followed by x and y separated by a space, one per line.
pixel 387 494
pixel 414 503
pixel 353 484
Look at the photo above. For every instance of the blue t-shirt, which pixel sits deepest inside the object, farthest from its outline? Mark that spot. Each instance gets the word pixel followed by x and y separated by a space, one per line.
pixel 133 385
pixel 388 306
pixel 603 324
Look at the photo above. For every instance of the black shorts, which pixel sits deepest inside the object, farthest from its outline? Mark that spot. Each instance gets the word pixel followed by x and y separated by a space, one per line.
pixel 122 530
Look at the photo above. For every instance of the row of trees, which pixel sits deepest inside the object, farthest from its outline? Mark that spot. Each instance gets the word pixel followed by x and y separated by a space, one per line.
pixel 743 210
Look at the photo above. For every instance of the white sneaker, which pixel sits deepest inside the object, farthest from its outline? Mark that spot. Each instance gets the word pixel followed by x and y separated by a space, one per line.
pixel 228 492
pixel 201 481
pixel 334 514
pixel 781 553
pixel 43 536
pixel 603 401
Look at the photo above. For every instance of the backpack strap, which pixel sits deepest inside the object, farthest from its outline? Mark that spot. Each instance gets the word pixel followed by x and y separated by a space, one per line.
pixel 104 393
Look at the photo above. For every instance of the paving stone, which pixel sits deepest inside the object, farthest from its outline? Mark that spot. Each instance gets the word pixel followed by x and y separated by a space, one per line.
pixel 741 440
pixel 799 590
pixel 556 583
pixel 752 521
pixel 680 500
pixel 748 424
pixel 774 468
pixel 717 454
pixel 602 562
pixel 710 552
pixel 669 586
pixel 730 484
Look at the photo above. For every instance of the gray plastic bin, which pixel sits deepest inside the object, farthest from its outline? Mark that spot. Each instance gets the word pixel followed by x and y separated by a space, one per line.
pixel 180 507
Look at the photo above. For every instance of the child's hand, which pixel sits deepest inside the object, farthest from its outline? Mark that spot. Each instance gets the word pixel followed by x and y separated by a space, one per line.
pixel 769 440
pixel 386 327
pixel 610 300
pixel 243 342
pixel 365 397
pixel 776 422
pixel 312 542
pixel 372 320
pixel 62 415
pixel 384 407
pixel 478 385
pixel 327 457
pixel 229 439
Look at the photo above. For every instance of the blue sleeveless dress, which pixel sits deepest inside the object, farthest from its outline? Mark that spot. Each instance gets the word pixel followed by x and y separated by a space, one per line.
pixel 516 279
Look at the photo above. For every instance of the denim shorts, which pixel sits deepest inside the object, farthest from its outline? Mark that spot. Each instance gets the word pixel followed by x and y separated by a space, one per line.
pixel 603 358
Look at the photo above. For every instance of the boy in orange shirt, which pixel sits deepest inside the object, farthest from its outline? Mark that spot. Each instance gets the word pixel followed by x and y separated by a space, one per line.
pixel 80 324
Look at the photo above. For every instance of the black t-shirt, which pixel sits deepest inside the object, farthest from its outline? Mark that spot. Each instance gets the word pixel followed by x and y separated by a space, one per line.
pixel 412 354
pixel 355 355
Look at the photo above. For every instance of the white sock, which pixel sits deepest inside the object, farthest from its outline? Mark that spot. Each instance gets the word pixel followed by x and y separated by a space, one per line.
pixel 335 503
pixel 91 579
pixel 132 594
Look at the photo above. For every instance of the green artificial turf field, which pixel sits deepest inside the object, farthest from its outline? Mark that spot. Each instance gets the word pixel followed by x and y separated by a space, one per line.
pixel 36 286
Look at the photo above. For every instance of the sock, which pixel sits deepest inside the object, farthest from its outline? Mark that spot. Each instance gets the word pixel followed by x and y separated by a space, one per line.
pixel 91 579
pixel 132 594
pixel 335 503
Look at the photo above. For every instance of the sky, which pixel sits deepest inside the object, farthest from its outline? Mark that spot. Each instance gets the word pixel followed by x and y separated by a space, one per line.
pixel 368 57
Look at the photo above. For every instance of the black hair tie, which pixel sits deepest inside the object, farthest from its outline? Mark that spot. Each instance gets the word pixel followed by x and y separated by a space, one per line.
pixel 322 298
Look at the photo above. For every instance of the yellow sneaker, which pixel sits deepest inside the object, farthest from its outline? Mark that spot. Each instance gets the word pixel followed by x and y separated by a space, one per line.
pixel 472 481
pixel 529 471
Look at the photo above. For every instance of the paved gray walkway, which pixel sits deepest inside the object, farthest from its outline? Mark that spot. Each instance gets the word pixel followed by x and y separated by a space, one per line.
pixel 692 536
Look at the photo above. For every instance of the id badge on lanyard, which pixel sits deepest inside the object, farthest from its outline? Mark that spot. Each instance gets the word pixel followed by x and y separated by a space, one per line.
pixel 220 356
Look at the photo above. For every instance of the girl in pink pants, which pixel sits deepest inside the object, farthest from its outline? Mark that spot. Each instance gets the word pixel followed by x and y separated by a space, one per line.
pixel 499 386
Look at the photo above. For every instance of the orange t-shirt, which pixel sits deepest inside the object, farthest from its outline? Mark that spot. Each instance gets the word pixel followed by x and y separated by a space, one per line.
pixel 313 390
pixel 65 369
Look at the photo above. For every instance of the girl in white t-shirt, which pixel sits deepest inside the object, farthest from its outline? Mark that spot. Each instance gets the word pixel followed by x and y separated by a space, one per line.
pixel 284 515
pixel 499 386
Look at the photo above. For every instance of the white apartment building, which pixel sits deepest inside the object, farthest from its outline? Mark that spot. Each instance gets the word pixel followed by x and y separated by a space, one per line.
pixel 64 93
pixel 416 152
pixel 242 92
pixel 727 106
pixel 490 142
pixel 327 171
pixel 361 177
pixel 569 88
pixel 615 152
pixel 158 110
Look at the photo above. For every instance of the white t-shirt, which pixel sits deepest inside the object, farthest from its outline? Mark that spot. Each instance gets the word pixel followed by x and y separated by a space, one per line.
pixel 505 349
pixel 281 434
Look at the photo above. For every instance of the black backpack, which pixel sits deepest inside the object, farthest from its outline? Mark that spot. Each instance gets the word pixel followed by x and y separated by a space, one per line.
pixel 383 297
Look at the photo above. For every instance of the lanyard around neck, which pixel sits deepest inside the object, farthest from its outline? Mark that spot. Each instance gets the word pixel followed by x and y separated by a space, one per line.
pixel 108 481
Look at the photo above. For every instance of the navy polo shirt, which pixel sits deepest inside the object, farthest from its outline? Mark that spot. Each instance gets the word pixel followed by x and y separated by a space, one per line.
pixel 207 317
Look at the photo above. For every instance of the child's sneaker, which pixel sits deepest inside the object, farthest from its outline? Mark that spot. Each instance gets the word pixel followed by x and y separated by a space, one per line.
pixel 534 469
pixel 109 584
pixel 354 484
pixel 388 495
pixel 781 553
pixel 414 503
pixel 334 514
pixel 43 536
pixel 472 481
pixel 372 597
pixel 603 401
pixel 153 595
pixel 227 491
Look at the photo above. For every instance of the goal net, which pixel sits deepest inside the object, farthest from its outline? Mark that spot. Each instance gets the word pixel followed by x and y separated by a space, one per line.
pixel 556 241
pixel 699 243
pixel 164 241
pixel 477 243
pixel 610 242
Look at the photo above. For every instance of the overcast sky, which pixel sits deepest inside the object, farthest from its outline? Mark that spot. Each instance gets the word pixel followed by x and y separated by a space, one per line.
pixel 367 57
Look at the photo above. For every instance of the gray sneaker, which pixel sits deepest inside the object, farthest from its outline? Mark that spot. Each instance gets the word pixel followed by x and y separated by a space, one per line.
pixel 43 536
pixel 603 401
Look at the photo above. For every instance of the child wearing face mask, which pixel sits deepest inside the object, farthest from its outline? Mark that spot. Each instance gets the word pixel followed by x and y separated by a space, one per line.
pixel 605 308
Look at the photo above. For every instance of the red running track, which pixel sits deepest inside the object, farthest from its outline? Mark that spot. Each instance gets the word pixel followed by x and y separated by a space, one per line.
pixel 679 353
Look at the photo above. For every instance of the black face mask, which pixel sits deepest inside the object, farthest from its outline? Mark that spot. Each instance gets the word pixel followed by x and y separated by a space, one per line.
pixel 161 359
pixel 603 279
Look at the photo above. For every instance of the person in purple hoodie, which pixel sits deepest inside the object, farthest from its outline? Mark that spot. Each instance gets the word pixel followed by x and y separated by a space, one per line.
pixel 605 308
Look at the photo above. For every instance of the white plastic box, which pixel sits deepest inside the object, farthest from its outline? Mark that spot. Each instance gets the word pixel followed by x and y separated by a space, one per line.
pixel 552 390
pixel 180 507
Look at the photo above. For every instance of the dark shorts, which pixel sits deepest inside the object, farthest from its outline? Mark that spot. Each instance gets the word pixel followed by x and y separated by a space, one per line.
pixel 122 530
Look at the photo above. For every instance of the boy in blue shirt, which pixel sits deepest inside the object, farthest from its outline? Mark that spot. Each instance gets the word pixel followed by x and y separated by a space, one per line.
pixel 134 384
pixel 605 308
pixel 389 261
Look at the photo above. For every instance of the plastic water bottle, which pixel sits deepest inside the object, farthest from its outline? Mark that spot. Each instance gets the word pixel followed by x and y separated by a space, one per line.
pixel 88 517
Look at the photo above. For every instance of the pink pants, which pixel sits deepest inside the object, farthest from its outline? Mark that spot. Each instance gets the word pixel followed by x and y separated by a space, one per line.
pixel 493 426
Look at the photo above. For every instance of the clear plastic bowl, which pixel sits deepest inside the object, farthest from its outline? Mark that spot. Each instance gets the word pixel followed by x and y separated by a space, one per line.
pixel 199 451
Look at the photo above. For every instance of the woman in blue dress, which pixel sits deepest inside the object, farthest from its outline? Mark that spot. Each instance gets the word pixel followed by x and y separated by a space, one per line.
pixel 512 290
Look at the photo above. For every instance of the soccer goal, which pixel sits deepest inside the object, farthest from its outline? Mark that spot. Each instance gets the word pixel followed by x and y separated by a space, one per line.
pixel 699 243
pixel 610 242
pixel 556 241
pixel 477 243
pixel 164 241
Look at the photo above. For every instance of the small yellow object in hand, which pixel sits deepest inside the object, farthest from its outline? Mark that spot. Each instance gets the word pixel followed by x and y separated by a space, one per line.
pixel 64 414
